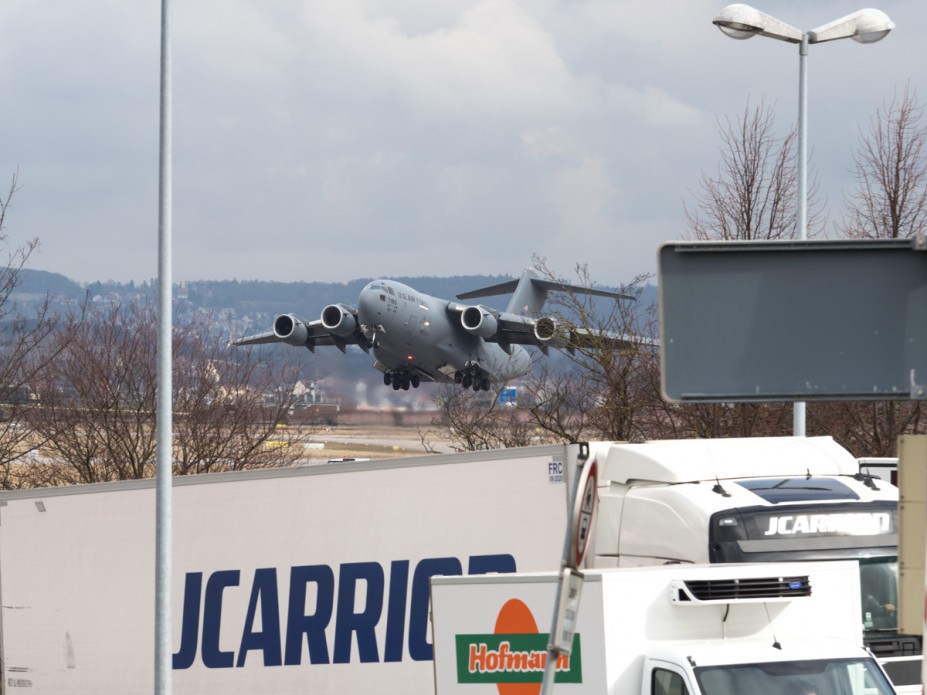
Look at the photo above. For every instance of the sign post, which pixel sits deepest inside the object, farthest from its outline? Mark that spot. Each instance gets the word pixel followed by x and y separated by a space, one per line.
pixel 583 500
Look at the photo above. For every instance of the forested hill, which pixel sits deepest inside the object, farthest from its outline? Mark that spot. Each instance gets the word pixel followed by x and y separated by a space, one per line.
pixel 259 296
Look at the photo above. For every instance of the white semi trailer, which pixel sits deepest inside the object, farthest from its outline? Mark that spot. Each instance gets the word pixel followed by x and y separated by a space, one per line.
pixel 316 579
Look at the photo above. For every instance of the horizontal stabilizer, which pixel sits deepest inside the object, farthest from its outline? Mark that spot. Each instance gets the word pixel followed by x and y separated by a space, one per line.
pixel 511 285
pixel 529 292
pixel 492 291
pixel 577 289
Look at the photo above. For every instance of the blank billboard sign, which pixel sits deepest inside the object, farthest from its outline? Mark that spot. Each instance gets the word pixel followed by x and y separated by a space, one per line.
pixel 793 321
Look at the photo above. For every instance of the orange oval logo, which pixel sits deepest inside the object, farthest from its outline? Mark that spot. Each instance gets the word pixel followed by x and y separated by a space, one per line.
pixel 515 619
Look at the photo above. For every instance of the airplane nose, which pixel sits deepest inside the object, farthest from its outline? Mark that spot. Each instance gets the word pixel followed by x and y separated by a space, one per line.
pixel 368 304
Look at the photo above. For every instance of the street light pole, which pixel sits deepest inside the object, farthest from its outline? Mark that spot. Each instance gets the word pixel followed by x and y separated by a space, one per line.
pixel 741 22
pixel 799 409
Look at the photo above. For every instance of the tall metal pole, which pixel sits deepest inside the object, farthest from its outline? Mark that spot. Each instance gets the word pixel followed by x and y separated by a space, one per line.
pixel 798 411
pixel 163 530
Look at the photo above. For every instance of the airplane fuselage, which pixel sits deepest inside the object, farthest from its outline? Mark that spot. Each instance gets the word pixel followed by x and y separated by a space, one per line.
pixel 413 331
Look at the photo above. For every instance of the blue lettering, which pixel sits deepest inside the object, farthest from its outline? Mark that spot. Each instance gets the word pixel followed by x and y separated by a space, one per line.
pixel 419 646
pixel 212 619
pixel 347 622
pixel 312 626
pixel 190 624
pixel 396 610
pixel 267 640
pixel 308 624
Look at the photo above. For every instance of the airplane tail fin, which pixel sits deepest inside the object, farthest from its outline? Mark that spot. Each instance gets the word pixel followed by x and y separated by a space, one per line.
pixel 529 295
pixel 529 292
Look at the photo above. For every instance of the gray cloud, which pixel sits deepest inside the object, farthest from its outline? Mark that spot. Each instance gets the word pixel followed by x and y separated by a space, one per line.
pixel 335 139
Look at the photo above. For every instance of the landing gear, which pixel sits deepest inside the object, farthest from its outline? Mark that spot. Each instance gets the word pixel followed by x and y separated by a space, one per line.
pixel 472 376
pixel 401 379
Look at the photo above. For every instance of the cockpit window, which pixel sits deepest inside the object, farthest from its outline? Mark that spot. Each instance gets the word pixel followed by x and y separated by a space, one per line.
pixel 775 490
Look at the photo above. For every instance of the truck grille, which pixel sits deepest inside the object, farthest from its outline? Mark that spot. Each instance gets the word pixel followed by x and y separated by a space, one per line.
pixel 740 590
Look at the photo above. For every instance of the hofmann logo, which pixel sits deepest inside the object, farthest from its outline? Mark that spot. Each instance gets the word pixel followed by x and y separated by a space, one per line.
pixel 514 653
pixel 513 659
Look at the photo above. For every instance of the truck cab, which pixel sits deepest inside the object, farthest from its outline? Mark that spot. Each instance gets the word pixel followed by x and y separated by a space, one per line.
pixel 685 669
pixel 758 499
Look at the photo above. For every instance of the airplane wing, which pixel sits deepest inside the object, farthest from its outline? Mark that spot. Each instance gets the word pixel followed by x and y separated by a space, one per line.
pixel 546 332
pixel 338 327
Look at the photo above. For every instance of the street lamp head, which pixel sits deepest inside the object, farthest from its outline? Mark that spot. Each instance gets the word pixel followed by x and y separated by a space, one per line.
pixel 864 26
pixel 741 21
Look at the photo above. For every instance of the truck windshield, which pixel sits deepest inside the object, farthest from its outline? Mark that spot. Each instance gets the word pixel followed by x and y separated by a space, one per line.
pixel 878 584
pixel 820 677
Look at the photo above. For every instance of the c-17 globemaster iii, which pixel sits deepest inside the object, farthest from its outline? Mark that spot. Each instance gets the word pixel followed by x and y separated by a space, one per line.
pixel 415 337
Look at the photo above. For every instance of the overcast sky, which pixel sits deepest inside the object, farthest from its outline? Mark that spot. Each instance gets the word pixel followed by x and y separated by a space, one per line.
pixel 337 139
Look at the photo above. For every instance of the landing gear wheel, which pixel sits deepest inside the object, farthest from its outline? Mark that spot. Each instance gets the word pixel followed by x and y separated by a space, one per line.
pixel 415 381
pixel 387 378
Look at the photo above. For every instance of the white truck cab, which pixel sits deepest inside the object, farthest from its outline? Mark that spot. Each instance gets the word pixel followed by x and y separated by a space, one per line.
pixel 757 499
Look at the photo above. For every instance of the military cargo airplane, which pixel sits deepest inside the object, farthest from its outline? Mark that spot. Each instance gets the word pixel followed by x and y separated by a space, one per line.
pixel 416 338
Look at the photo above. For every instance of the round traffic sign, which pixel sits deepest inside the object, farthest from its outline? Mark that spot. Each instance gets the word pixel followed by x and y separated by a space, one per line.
pixel 583 510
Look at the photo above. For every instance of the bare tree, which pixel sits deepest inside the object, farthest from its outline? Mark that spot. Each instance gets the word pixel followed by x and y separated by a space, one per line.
pixel 754 196
pixel 890 200
pixel 233 410
pixel 98 397
pixel 754 193
pixel 603 392
pixel 868 428
pixel 712 420
pixel 97 402
pixel 478 420
pixel 22 333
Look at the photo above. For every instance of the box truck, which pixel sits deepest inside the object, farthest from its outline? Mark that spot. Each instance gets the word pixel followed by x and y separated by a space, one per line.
pixel 762 629
pixel 315 579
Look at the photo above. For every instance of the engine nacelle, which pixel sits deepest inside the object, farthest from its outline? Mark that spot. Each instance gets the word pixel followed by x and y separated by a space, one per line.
pixel 478 321
pixel 339 320
pixel 548 331
pixel 291 330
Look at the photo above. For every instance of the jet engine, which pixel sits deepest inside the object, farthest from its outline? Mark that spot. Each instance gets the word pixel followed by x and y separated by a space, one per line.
pixel 478 321
pixel 548 331
pixel 291 330
pixel 339 320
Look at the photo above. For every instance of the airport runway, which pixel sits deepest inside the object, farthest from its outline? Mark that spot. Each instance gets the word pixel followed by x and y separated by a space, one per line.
pixel 376 442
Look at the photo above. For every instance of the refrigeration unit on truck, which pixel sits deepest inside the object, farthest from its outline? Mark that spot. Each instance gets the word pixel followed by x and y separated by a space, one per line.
pixel 764 499
pixel 315 579
pixel 759 629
